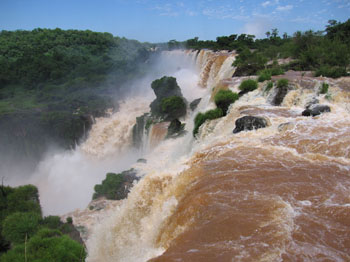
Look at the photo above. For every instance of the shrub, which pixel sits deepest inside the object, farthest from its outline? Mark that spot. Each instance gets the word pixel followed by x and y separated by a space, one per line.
pixel 275 71
pixel 268 86
pixel 173 107
pixel 264 75
pixel 248 85
pixel 109 186
pixel 19 225
pixel 282 83
pixel 24 199
pixel 52 222
pixel 201 118
pixel 69 220
pixel 324 88
pixel 224 98
pixel 47 245
pixel 331 71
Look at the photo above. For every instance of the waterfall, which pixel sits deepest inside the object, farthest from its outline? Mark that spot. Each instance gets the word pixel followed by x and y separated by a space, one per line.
pixel 272 194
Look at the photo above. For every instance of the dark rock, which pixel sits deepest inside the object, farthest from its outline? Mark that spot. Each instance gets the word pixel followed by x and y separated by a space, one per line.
pixel 280 95
pixel 175 128
pixel 315 110
pixel 164 87
pixel 243 92
pixel 129 177
pixel 312 102
pixel 246 70
pixel 72 232
pixel 142 160
pixel 139 129
pixel 249 123
pixel 195 103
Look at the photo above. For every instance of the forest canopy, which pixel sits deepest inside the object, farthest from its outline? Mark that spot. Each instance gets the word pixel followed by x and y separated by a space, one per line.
pixel 53 81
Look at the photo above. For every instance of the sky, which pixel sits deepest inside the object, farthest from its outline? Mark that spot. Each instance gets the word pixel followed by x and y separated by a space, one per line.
pixel 163 20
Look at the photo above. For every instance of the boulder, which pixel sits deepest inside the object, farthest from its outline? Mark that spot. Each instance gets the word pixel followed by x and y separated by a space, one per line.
pixel 175 128
pixel 195 103
pixel 315 110
pixel 280 95
pixel 249 123
pixel 129 177
pixel 142 160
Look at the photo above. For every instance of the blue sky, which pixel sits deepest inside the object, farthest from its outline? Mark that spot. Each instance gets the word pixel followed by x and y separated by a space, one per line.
pixel 163 20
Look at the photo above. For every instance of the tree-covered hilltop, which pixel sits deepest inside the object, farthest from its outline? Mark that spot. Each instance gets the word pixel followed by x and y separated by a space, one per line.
pixel 325 52
pixel 53 81
pixel 25 235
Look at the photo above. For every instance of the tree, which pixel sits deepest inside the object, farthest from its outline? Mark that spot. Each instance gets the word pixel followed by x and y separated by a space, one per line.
pixel 274 32
pixel 47 245
pixel 18 226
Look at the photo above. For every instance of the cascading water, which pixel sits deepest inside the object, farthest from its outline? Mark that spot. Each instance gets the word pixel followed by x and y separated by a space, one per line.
pixel 275 194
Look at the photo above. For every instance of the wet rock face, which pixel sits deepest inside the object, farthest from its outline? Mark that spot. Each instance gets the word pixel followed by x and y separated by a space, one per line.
pixel 249 123
pixel 315 110
pixel 195 103
pixel 280 95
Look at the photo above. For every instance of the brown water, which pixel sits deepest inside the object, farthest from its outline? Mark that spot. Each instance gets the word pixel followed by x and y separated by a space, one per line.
pixel 281 193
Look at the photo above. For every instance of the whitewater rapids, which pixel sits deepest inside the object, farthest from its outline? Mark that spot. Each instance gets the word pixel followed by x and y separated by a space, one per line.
pixel 281 193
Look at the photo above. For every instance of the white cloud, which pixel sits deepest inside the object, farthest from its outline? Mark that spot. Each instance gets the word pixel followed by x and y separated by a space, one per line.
pixel 284 8
pixel 267 3
pixel 257 27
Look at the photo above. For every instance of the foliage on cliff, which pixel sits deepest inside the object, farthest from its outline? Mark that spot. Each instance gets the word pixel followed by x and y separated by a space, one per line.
pixel 25 233
pixel 325 52
pixel 224 98
pixel 169 103
pixel 53 81
pixel 115 186
pixel 208 115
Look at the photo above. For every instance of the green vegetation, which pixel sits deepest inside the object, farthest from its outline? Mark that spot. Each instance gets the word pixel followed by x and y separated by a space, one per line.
pixel 282 83
pixel 115 186
pixel 173 107
pixel 201 118
pixel 169 103
pixel 325 52
pixel 53 81
pixel 224 98
pixel 47 245
pixel 268 86
pixel 109 186
pixel 248 85
pixel 24 232
pixel 264 75
pixel 324 88
pixel 19 225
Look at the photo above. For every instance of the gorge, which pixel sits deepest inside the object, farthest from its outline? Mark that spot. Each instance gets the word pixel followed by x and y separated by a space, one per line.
pixel 272 194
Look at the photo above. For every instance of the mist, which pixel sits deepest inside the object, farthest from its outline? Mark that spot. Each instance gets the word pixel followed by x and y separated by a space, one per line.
pixel 66 178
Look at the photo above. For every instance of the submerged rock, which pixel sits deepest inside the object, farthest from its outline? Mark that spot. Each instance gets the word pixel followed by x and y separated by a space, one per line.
pixel 175 128
pixel 315 110
pixel 280 95
pixel 249 123
pixel 195 103
pixel 142 160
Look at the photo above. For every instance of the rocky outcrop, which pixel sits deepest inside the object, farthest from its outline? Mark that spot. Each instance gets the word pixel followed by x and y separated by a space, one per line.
pixel 280 95
pixel 169 99
pixel 116 186
pixel 142 123
pixel 249 123
pixel 315 110
pixel 175 128
pixel 195 103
